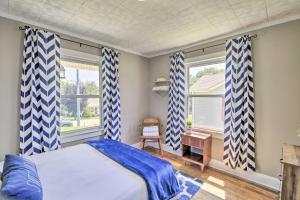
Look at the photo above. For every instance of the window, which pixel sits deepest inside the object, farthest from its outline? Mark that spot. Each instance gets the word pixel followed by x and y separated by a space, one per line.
pixel 80 96
pixel 206 89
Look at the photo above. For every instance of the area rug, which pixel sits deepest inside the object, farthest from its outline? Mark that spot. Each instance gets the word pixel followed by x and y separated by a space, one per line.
pixel 189 185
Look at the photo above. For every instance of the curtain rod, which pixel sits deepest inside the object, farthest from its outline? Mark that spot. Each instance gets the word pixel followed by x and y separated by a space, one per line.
pixel 73 41
pixel 215 45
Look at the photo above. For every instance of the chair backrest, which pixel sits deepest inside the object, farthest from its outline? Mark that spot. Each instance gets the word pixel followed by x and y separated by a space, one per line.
pixel 151 122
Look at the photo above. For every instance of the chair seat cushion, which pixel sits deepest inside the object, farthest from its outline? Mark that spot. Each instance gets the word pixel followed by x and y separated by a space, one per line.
pixel 150 131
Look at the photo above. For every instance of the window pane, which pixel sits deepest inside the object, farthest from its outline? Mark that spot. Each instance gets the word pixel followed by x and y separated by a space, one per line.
pixel 79 79
pixel 207 112
pixel 79 113
pixel 207 109
pixel 208 80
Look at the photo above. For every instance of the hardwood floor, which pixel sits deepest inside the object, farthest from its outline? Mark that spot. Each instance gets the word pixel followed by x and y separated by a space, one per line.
pixel 217 185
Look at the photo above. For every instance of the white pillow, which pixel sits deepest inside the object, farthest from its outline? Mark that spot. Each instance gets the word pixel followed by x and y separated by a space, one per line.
pixel 150 131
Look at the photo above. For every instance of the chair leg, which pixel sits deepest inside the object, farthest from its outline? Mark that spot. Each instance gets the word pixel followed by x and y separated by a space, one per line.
pixel 142 143
pixel 161 147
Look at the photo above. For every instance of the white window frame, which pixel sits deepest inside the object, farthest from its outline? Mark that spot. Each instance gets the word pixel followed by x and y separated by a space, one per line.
pixel 204 60
pixel 85 133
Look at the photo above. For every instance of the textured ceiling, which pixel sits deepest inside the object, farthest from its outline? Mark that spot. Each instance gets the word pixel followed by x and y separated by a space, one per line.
pixel 151 26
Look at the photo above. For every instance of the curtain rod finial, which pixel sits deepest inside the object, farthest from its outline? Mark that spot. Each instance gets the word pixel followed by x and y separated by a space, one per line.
pixel 23 28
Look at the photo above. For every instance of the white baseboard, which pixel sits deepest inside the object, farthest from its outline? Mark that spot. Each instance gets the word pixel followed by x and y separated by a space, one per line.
pixel 254 177
pixel 136 145
pixel 1 166
pixel 155 145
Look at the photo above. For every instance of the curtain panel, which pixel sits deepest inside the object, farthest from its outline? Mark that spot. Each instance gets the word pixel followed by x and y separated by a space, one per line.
pixel 111 94
pixel 176 105
pixel 239 141
pixel 40 93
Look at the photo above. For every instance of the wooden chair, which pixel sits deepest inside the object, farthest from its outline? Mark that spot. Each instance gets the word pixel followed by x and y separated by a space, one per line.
pixel 152 122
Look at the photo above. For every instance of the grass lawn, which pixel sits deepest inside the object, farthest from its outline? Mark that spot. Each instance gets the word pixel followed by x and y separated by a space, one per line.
pixel 84 123
pixel 66 129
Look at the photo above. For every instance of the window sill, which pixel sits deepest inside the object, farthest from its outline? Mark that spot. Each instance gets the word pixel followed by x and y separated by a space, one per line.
pixel 82 134
pixel 215 133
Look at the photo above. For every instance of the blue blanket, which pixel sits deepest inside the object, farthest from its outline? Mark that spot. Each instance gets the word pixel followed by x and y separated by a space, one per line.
pixel 158 174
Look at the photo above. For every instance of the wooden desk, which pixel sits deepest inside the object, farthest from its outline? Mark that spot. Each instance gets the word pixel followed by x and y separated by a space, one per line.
pixel 202 142
pixel 290 186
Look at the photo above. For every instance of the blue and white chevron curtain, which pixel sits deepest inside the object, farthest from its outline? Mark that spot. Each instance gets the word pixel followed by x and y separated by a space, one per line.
pixel 176 106
pixel 111 94
pixel 40 95
pixel 239 141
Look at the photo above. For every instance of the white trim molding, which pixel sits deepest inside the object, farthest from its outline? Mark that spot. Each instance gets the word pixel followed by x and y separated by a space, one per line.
pixel 69 54
pixel 253 177
pixel 166 148
pixel 206 59
pixel 80 135
pixel 1 166
pixel 260 179
pixel 136 145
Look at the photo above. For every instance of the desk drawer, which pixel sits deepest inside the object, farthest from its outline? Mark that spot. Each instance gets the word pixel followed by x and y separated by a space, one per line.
pixel 191 141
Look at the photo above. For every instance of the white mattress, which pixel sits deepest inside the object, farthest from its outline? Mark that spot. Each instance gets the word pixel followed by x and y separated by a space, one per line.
pixel 82 173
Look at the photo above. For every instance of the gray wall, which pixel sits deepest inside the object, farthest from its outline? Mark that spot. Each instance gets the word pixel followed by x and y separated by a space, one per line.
pixel 276 55
pixel 277 70
pixel 134 95
pixel 10 62
pixel 133 87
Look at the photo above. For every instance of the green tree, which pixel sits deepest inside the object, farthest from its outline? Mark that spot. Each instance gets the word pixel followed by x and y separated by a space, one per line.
pixel 89 87
pixel 69 105
pixel 88 113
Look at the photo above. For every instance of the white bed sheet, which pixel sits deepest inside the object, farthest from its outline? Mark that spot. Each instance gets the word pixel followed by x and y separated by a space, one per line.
pixel 82 173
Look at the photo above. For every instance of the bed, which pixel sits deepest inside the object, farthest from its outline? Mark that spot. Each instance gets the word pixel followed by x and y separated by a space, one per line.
pixel 82 172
